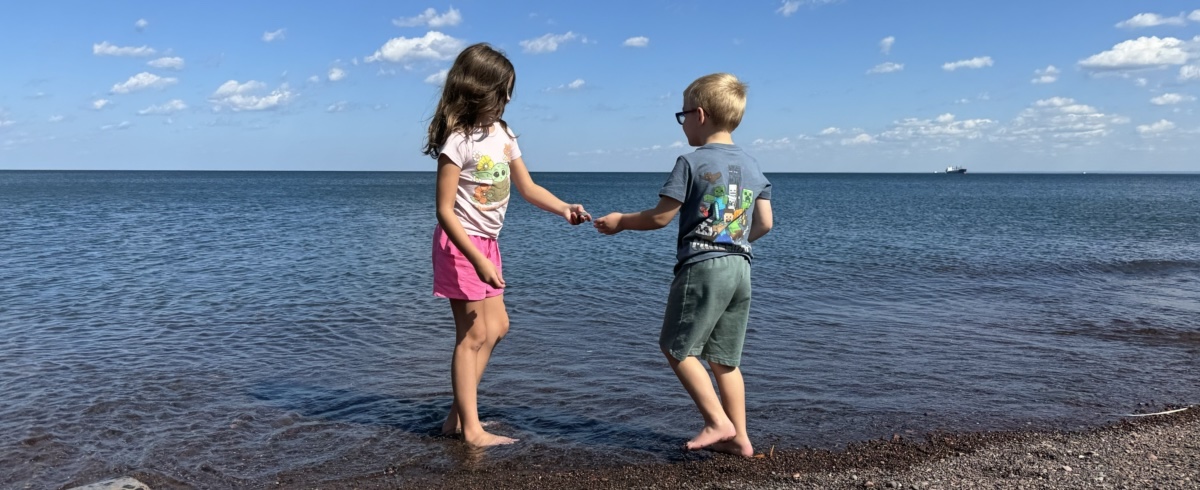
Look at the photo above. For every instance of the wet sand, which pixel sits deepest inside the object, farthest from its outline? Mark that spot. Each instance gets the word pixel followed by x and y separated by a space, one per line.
pixel 1161 451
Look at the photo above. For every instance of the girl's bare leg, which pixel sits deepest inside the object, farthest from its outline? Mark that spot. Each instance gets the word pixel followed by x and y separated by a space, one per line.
pixel 479 325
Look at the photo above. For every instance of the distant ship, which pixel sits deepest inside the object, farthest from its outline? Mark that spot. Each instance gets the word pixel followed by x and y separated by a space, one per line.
pixel 956 170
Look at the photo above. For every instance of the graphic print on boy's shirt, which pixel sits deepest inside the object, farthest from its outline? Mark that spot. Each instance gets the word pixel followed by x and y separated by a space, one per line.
pixel 723 208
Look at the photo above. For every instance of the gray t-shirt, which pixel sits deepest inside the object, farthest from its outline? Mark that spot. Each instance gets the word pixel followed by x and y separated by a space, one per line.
pixel 717 185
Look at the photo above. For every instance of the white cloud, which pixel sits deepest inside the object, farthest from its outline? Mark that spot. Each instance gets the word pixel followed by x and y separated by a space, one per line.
pixel 1141 82
pixel 172 62
pixel 1189 72
pixel 438 78
pixel 978 62
pixel 888 67
pixel 1065 105
pixel 107 49
pixel 789 7
pixel 1046 75
pixel 99 103
pixel 336 74
pixel 1161 126
pixel 1143 52
pixel 340 106
pixel 1151 20
pixel 314 79
pixel 141 24
pixel 242 96
pixel 1171 99
pixel 862 139
pixel 942 131
pixel 1194 16
pixel 546 44
pixel 142 81
pixel 119 126
pixel 677 144
pixel 1062 120
pixel 56 118
pixel 830 131
pixel 166 109
pixel 276 35
pixel 576 84
pixel 432 46
pixel 885 45
pixel 637 42
pixel 431 18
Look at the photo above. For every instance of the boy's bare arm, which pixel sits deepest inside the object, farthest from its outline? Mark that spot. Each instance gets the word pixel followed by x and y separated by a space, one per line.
pixel 650 219
pixel 763 220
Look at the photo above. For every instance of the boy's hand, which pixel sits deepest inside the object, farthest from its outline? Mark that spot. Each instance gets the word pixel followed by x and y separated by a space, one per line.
pixel 609 225
pixel 487 273
pixel 576 215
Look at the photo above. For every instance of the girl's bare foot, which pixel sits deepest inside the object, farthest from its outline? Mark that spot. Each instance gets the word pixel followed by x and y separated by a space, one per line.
pixel 710 435
pixel 452 427
pixel 484 439
pixel 736 446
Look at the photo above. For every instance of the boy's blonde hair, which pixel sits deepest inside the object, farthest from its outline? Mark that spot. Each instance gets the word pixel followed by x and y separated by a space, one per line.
pixel 722 96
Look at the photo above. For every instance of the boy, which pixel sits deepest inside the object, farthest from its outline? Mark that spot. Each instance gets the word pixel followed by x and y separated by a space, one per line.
pixel 725 203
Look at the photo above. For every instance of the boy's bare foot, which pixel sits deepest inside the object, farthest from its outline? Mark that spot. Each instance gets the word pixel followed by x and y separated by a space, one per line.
pixel 710 435
pixel 735 446
pixel 484 439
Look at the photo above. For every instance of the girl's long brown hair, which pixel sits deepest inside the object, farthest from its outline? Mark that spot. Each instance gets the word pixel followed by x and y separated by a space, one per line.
pixel 478 86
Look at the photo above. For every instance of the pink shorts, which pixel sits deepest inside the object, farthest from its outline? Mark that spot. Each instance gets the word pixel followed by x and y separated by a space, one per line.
pixel 453 275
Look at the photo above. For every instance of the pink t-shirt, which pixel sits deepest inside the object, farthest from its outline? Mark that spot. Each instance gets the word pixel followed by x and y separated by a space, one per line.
pixel 484 184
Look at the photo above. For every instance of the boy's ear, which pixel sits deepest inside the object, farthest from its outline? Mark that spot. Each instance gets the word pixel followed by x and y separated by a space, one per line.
pixel 701 116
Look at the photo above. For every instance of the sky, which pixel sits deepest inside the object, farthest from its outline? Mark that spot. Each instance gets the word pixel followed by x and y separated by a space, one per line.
pixel 834 85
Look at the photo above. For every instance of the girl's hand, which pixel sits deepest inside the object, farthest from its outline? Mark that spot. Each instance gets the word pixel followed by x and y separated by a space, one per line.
pixel 609 225
pixel 576 215
pixel 487 273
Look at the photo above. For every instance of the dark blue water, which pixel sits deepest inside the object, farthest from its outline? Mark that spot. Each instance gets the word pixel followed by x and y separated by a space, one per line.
pixel 219 329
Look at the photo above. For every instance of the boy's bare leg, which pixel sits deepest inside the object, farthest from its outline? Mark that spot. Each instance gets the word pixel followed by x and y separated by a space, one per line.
pixel 733 400
pixel 496 319
pixel 717 426
pixel 471 334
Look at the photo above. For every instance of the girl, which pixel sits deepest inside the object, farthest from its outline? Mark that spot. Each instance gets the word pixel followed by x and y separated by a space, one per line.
pixel 478 162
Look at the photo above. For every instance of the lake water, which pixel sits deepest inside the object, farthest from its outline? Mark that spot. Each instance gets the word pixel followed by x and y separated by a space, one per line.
pixel 231 329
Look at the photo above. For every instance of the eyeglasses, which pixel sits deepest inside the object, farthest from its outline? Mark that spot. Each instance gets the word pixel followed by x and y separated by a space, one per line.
pixel 679 115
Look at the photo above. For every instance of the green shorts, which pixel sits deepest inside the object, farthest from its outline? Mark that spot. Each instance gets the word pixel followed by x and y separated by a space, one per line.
pixel 707 311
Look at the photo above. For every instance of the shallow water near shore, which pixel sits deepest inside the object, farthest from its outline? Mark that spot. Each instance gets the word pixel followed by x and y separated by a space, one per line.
pixel 234 328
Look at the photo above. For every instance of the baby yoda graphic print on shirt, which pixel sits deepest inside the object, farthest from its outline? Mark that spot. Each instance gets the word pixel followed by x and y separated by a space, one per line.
pixel 485 157
pixel 491 182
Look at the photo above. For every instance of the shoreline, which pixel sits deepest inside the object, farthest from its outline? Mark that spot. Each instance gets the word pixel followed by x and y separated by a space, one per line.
pixel 1159 451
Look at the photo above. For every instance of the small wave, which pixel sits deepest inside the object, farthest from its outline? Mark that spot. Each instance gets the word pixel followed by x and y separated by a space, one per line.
pixel 1149 267
pixel 1140 267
